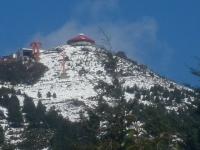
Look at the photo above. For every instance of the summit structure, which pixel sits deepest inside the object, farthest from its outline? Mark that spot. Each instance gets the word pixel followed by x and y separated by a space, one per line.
pixel 81 81
pixel 81 39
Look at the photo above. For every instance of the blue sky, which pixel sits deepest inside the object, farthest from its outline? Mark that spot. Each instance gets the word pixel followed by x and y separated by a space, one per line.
pixel 161 34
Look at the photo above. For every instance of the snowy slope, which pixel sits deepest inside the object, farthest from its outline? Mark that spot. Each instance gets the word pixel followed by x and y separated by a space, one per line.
pixel 84 69
pixel 75 86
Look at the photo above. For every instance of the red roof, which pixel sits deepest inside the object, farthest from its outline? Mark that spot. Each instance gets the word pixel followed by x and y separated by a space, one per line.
pixel 80 38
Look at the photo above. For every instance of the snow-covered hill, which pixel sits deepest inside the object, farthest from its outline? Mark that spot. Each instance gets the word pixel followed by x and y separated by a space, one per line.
pixel 77 90
pixel 85 68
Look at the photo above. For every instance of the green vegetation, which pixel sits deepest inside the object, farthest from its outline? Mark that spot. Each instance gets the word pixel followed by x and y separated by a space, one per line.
pixel 2 138
pixel 127 125
pixel 17 72
pixel 14 112
pixel 114 124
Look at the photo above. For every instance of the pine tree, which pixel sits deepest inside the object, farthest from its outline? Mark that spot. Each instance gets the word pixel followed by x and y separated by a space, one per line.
pixel 30 110
pixel 117 121
pixel 5 101
pixel 14 112
pixel 40 112
pixel 112 120
pixel 111 64
pixel 54 95
pixel 53 118
pixel 19 92
pixel 117 91
pixel 48 94
pixel 39 95
pixel 2 137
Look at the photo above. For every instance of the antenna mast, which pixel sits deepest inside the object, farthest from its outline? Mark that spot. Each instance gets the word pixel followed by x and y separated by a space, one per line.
pixel 64 59
pixel 36 50
pixel 63 54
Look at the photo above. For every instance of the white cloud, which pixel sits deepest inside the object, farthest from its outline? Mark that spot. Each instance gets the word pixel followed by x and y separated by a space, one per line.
pixel 96 7
pixel 134 38
pixel 138 38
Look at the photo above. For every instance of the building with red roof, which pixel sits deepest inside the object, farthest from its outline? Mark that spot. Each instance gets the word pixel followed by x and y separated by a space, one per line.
pixel 80 40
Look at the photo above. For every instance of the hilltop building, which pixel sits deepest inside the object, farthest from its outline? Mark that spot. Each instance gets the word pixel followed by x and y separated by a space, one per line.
pixel 23 54
pixel 26 52
pixel 81 40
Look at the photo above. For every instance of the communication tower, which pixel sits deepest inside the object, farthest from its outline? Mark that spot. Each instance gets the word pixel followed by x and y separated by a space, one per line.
pixel 36 50
pixel 64 59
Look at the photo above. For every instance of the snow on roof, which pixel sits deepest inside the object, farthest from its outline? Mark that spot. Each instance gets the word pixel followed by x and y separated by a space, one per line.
pixel 26 49
pixel 80 38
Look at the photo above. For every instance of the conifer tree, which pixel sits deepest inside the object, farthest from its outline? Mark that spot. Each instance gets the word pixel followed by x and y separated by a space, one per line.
pixel 48 94
pixel 1 136
pixel 40 112
pixel 117 91
pixel 113 120
pixel 5 101
pixel 53 118
pixel 30 110
pixel 39 95
pixel 54 95
pixel 19 92
pixel 14 112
